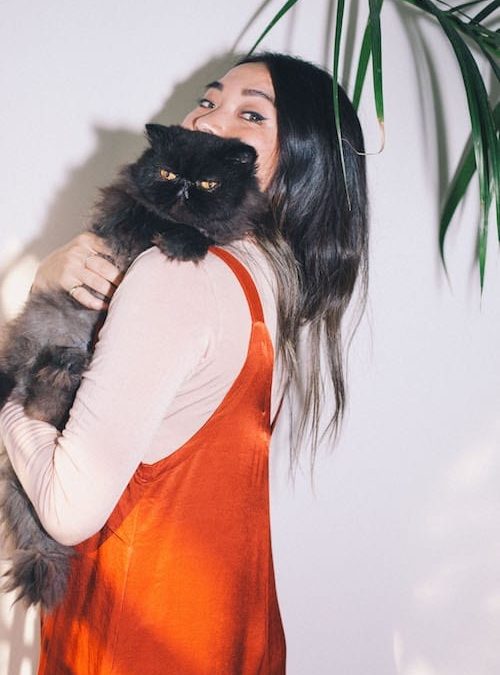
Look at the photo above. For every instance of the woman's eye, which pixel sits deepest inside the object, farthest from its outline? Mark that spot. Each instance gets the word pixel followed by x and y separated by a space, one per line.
pixel 167 175
pixel 205 103
pixel 208 185
pixel 251 116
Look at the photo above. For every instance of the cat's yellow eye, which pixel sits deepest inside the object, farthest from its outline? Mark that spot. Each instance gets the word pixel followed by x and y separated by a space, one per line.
pixel 167 175
pixel 208 185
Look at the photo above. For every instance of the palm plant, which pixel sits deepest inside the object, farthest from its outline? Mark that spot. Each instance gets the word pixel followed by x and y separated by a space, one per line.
pixel 463 25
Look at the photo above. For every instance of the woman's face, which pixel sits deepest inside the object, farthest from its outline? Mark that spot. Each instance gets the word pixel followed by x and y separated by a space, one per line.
pixel 241 105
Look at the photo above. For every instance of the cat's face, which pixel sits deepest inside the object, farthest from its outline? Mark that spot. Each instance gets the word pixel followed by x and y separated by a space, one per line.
pixel 241 105
pixel 192 177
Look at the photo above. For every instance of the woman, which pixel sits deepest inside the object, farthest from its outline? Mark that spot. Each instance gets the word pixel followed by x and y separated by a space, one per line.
pixel 161 474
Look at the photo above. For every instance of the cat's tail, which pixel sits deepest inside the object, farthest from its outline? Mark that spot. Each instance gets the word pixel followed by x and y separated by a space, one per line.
pixel 39 565
pixel 40 577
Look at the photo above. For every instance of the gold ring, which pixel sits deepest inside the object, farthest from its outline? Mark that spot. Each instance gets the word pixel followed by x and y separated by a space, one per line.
pixel 72 290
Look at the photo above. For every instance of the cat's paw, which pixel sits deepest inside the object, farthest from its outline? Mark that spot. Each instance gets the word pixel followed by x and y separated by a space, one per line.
pixel 56 376
pixel 60 366
pixel 183 242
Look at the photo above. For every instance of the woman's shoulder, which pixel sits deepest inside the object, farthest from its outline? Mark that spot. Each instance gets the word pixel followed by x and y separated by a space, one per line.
pixel 168 289
pixel 153 262
pixel 195 292
pixel 152 267
pixel 153 272
pixel 153 275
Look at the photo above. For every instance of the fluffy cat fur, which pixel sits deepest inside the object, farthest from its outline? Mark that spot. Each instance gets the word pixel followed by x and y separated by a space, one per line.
pixel 187 191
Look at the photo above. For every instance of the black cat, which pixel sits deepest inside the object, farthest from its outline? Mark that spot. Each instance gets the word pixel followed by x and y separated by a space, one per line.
pixel 187 191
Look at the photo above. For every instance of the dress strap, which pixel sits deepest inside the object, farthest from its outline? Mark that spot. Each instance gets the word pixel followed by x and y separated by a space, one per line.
pixel 246 282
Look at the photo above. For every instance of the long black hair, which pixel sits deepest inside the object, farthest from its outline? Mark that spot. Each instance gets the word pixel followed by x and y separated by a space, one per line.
pixel 325 225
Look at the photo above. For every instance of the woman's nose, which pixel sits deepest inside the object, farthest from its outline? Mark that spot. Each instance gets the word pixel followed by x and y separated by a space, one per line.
pixel 210 123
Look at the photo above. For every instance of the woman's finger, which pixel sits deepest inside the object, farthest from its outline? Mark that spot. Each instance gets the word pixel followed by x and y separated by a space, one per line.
pixel 103 268
pixel 96 283
pixel 87 299
pixel 91 243
pixel 80 262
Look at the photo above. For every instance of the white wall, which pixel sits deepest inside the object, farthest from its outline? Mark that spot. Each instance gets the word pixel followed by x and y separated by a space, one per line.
pixel 392 565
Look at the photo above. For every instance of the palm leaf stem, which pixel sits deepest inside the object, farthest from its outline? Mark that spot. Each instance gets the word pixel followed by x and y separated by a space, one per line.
pixel 470 25
pixel 279 15
pixel 484 13
pixel 339 18
pixel 463 5
pixel 459 9
pixel 492 60
pixel 364 57
pixel 471 28
pixel 376 52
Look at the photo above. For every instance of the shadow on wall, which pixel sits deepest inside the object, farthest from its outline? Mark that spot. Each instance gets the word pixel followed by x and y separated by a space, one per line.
pixel 70 209
pixel 70 206
pixel 18 638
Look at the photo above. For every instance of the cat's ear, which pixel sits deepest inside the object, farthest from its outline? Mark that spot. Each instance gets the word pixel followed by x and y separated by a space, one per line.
pixel 156 132
pixel 244 154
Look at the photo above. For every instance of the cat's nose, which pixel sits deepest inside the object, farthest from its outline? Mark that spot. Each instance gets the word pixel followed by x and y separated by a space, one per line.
pixel 183 192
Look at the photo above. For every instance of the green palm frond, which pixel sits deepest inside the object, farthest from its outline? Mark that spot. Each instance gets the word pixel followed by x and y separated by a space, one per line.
pixel 376 50
pixel 484 135
pixel 363 60
pixel 279 15
pixel 335 93
pixel 485 13
pixel 371 46
pixel 459 185
pixel 463 25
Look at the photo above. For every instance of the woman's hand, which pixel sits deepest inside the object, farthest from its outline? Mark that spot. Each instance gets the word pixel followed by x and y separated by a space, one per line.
pixel 77 265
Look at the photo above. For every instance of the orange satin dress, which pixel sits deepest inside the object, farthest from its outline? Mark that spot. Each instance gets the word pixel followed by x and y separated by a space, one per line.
pixel 180 579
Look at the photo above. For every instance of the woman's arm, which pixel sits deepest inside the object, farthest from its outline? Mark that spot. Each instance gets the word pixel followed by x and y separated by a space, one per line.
pixel 79 263
pixel 158 331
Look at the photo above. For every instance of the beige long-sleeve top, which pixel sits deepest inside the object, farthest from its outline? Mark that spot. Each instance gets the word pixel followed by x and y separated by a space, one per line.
pixel 175 339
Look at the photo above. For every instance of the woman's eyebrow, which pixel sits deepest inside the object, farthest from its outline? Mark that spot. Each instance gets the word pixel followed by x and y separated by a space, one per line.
pixel 245 92
pixel 215 85
pixel 258 92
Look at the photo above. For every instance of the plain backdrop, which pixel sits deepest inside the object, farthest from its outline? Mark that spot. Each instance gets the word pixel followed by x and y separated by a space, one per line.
pixel 390 563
